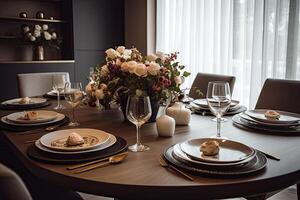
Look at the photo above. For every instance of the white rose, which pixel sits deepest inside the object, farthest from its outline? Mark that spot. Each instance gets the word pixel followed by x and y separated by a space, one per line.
pixel 127 54
pixel 104 70
pixel 121 49
pixel 32 38
pixel 54 36
pixel 99 94
pixel 45 27
pixel 131 66
pixel 161 55
pixel 37 27
pixel 111 53
pixel 36 33
pixel 140 70
pixel 26 29
pixel 153 68
pixel 125 67
pixel 178 80
pixel 119 62
pixel 47 35
pixel 151 57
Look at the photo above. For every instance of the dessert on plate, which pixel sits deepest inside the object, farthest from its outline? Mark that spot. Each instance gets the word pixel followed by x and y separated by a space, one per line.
pixel 210 148
pixel 25 100
pixel 74 139
pixel 272 115
pixel 30 115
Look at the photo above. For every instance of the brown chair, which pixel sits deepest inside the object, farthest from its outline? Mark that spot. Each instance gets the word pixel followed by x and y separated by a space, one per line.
pixel 11 185
pixel 201 82
pixel 278 94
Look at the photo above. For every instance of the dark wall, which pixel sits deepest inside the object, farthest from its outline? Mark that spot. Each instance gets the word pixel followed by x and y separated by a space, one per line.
pixel 98 25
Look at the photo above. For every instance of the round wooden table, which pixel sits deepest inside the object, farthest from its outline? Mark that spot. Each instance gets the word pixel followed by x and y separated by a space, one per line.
pixel 141 177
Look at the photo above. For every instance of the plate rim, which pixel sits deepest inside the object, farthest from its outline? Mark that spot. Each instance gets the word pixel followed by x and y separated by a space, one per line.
pixel 29 104
pixel 55 115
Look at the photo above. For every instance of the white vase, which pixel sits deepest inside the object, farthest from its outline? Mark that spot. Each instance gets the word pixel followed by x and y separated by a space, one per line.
pixel 165 126
pixel 180 113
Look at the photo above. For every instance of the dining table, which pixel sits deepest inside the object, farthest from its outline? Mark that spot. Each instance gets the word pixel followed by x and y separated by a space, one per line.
pixel 140 175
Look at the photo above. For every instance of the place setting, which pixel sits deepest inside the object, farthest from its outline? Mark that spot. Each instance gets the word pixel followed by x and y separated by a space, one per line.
pixel 77 145
pixel 31 120
pixel 24 103
pixel 273 121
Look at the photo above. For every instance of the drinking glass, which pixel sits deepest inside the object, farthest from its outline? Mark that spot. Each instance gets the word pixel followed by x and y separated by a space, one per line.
pixel 58 85
pixel 138 111
pixel 218 99
pixel 73 95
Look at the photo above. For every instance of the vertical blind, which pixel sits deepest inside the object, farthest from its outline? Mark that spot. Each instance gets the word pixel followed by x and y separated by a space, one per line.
pixel 250 39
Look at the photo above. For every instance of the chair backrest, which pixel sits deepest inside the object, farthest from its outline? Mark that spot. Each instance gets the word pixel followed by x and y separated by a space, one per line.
pixel 201 82
pixel 278 94
pixel 11 186
pixel 36 84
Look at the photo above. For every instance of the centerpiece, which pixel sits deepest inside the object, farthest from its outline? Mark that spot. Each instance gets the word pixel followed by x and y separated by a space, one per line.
pixel 127 72
pixel 40 36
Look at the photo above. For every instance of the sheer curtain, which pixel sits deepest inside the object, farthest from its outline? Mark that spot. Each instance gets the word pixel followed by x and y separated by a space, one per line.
pixel 245 38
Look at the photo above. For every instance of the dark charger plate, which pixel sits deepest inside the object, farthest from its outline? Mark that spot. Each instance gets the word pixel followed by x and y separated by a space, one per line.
pixel 39 155
pixel 258 163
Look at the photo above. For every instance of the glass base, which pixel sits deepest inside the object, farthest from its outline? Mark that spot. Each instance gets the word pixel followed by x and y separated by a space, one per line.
pixel 222 119
pixel 216 137
pixel 59 107
pixel 73 124
pixel 139 148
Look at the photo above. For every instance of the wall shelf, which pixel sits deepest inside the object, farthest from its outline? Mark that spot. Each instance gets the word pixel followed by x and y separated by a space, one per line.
pixel 32 20
pixel 37 62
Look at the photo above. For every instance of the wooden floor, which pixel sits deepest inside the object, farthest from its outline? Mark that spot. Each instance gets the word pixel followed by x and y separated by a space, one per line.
pixel 287 194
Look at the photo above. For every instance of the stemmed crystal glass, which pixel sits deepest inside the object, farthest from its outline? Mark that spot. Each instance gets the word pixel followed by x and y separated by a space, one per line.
pixel 218 99
pixel 58 85
pixel 138 111
pixel 73 95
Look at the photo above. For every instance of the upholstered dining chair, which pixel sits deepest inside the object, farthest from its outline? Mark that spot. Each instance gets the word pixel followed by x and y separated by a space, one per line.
pixel 279 94
pixel 35 84
pixel 11 185
pixel 201 82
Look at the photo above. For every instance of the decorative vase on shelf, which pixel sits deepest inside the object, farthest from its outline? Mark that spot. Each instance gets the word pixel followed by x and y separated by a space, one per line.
pixel 180 113
pixel 165 125
pixel 39 52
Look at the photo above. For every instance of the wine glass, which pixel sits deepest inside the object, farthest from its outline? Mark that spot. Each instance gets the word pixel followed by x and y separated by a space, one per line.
pixel 73 95
pixel 218 99
pixel 58 85
pixel 138 111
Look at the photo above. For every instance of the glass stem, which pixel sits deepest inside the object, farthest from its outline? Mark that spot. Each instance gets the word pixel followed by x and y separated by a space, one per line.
pixel 58 98
pixel 218 127
pixel 73 114
pixel 138 141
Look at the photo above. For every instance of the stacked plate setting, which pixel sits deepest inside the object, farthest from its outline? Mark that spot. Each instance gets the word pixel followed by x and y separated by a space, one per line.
pixel 44 117
pixel 256 119
pixel 201 106
pixel 95 140
pixel 234 158
pixel 19 103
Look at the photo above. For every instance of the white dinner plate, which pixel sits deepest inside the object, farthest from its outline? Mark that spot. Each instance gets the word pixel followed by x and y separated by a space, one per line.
pixel 230 151
pixel 179 154
pixel 285 125
pixel 57 119
pixel 111 141
pixel 16 102
pixel 285 117
pixel 42 116
pixel 203 103
pixel 93 138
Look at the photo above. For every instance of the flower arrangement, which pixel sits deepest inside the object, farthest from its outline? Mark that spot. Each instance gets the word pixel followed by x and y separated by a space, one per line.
pixel 40 35
pixel 128 72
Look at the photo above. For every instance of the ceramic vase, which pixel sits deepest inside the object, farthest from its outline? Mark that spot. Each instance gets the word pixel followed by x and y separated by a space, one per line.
pixel 180 113
pixel 165 126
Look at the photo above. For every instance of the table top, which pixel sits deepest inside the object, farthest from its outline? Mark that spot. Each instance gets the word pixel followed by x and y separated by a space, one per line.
pixel 141 173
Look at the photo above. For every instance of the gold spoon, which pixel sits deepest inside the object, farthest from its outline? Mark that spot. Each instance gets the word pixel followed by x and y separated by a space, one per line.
pixel 111 160
pixel 163 163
